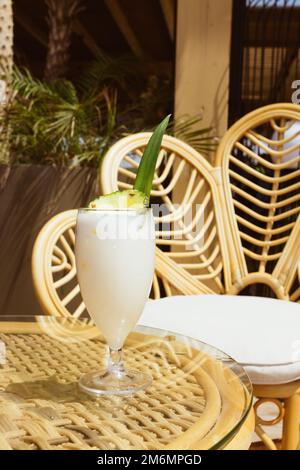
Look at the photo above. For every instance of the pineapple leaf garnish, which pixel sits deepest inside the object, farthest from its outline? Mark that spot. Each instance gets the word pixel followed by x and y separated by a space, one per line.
pixel 145 174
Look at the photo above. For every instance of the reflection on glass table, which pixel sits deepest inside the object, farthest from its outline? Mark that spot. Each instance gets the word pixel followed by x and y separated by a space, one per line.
pixel 199 397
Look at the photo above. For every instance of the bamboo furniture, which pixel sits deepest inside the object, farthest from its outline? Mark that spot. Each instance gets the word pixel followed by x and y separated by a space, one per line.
pixel 199 398
pixel 192 255
pixel 230 323
pixel 253 216
pixel 246 230
pixel 259 161
pixel 54 269
pixel 261 190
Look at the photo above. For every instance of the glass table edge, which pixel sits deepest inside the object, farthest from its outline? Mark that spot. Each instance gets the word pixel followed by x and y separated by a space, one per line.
pixel 143 329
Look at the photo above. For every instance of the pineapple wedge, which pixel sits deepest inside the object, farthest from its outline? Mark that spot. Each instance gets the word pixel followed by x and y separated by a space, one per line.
pixel 127 199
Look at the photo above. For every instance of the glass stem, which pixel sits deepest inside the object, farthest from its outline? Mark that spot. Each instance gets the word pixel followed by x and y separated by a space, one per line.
pixel 115 362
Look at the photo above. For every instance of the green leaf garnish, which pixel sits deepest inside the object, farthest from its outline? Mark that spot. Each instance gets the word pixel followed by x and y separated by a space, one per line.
pixel 145 174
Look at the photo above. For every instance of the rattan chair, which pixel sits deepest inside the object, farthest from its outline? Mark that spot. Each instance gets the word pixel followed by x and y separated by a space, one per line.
pixel 259 160
pixel 54 269
pixel 221 257
pixel 55 281
pixel 252 197
pixel 203 268
pixel 185 263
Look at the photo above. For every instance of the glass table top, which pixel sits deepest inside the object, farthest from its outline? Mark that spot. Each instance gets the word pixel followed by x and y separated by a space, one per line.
pixel 198 399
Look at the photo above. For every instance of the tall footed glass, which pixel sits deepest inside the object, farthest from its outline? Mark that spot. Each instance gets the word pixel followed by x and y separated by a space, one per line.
pixel 115 252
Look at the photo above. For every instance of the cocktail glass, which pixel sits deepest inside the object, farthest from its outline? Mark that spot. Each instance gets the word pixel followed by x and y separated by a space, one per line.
pixel 115 251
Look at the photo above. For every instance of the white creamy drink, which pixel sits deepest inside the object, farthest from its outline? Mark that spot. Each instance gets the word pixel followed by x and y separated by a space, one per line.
pixel 115 252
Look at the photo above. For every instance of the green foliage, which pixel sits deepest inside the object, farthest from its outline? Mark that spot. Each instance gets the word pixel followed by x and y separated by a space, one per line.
pixel 52 123
pixel 74 123
pixel 189 130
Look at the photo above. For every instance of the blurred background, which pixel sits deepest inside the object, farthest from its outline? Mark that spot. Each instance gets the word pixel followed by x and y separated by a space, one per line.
pixel 77 75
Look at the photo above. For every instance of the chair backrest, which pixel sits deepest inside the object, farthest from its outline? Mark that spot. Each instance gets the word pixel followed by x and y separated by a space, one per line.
pixel 54 269
pixel 191 246
pixel 246 230
pixel 197 269
pixel 259 158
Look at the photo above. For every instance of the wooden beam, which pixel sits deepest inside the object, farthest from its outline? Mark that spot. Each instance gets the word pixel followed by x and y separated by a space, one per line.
pixel 124 26
pixel 168 8
pixel 202 60
pixel 88 39
pixel 26 22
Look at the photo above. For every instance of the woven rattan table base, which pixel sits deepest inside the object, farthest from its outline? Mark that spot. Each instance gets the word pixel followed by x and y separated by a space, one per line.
pixel 41 406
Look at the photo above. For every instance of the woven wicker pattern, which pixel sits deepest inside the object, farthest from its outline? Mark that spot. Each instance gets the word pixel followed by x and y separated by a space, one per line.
pixel 54 268
pixel 42 408
pixel 252 196
pixel 191 242
pixel 260 160
pixel 63 270
pixel 272 185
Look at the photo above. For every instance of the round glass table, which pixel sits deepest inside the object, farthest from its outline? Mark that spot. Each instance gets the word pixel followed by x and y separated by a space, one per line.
pixel 199 397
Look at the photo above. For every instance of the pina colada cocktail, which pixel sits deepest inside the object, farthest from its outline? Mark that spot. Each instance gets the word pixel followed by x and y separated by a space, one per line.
pixel 115 251
pixel 115 263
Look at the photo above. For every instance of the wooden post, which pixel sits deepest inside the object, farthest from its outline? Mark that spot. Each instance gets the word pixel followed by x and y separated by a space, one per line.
pixel 202 60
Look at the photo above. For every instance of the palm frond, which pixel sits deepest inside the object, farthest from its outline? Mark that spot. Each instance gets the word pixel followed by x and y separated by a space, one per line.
pixel 189 129
pixel 115 71
pixel 66 91
pixel 74 123
pixel 28 86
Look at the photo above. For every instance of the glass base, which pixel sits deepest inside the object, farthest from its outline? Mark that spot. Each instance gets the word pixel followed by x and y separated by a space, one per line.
pixel 127 382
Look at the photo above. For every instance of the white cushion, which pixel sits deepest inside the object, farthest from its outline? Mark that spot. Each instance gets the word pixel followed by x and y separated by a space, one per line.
pixel 260 333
